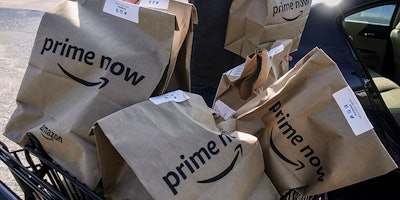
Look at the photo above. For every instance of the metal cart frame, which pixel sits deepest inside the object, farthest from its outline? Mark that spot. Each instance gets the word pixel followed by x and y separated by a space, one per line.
pixel 41 177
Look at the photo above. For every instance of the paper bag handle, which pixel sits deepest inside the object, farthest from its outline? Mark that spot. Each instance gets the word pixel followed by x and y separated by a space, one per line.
pixel 254 75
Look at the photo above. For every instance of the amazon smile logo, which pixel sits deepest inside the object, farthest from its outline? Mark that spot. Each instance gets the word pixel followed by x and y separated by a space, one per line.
pixel 103 81
pixel 290 7
pixel 296 141
pixel 198 159
pixel 294 18
pixel 49 134
pixel 228 169
pixel 298 163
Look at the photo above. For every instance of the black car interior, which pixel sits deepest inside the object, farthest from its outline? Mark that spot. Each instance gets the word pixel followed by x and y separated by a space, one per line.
pixel 375 38
pixel 363 38
pixel 374 34
pixel 395 38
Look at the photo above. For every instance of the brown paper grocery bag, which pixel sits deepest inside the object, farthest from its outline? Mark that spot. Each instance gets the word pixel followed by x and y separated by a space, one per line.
pixel 88 61
pixel 242 83
pixel 177 74
pixel 259 23
pixel 169 147
pixel 314 133
pixel 264 190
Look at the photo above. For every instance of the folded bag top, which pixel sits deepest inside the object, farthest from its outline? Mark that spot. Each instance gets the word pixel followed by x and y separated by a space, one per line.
pixel 174 150
pixel 259 23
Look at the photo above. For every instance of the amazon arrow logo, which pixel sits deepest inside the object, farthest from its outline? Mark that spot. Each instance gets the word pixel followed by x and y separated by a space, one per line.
pixel 228 169
pixel 103 81
pixel 198 159
pixel 298 164
pixel 294 18
pixel 297 140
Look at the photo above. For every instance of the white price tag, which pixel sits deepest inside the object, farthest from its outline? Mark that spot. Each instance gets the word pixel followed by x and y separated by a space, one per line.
pixel 352 110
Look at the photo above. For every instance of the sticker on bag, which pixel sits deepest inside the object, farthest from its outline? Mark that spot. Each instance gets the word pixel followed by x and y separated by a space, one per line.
pixel 224 110
pixel 177 96
pixel 161 4
pixel 352 110
pixel 272 52
pixel 236 71
pixel 121 9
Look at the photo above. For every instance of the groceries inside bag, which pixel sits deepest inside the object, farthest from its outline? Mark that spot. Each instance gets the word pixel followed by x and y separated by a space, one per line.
pixel 313 131
pixel 169 147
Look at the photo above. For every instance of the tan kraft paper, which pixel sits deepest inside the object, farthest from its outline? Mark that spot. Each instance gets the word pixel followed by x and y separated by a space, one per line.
pixel 308 142
pixel 174 150
pixel 259 23
pixel 242 83
pixel 87 64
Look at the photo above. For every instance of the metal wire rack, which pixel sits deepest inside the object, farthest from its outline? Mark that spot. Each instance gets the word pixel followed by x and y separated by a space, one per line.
pixel 40 177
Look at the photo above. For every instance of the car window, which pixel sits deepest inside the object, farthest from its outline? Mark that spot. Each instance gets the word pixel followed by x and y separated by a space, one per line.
pixel 379 15
pixel 328 2
pixel 369 32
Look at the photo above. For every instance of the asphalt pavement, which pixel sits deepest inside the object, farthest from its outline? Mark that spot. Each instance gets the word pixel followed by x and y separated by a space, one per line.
pixel 19 20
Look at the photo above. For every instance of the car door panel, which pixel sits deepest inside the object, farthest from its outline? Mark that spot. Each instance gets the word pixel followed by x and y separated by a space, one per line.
pixel 370 41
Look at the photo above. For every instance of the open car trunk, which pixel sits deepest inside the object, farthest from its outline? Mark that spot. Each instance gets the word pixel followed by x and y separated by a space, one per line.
pixel 363 53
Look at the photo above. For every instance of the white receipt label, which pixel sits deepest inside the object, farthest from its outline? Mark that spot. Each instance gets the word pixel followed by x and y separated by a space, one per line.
pixel 161 4
pixel 352 110
pixel 224 110
pixel 276 50
pixel 177 96
pixel 122 10
pixel 236 71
